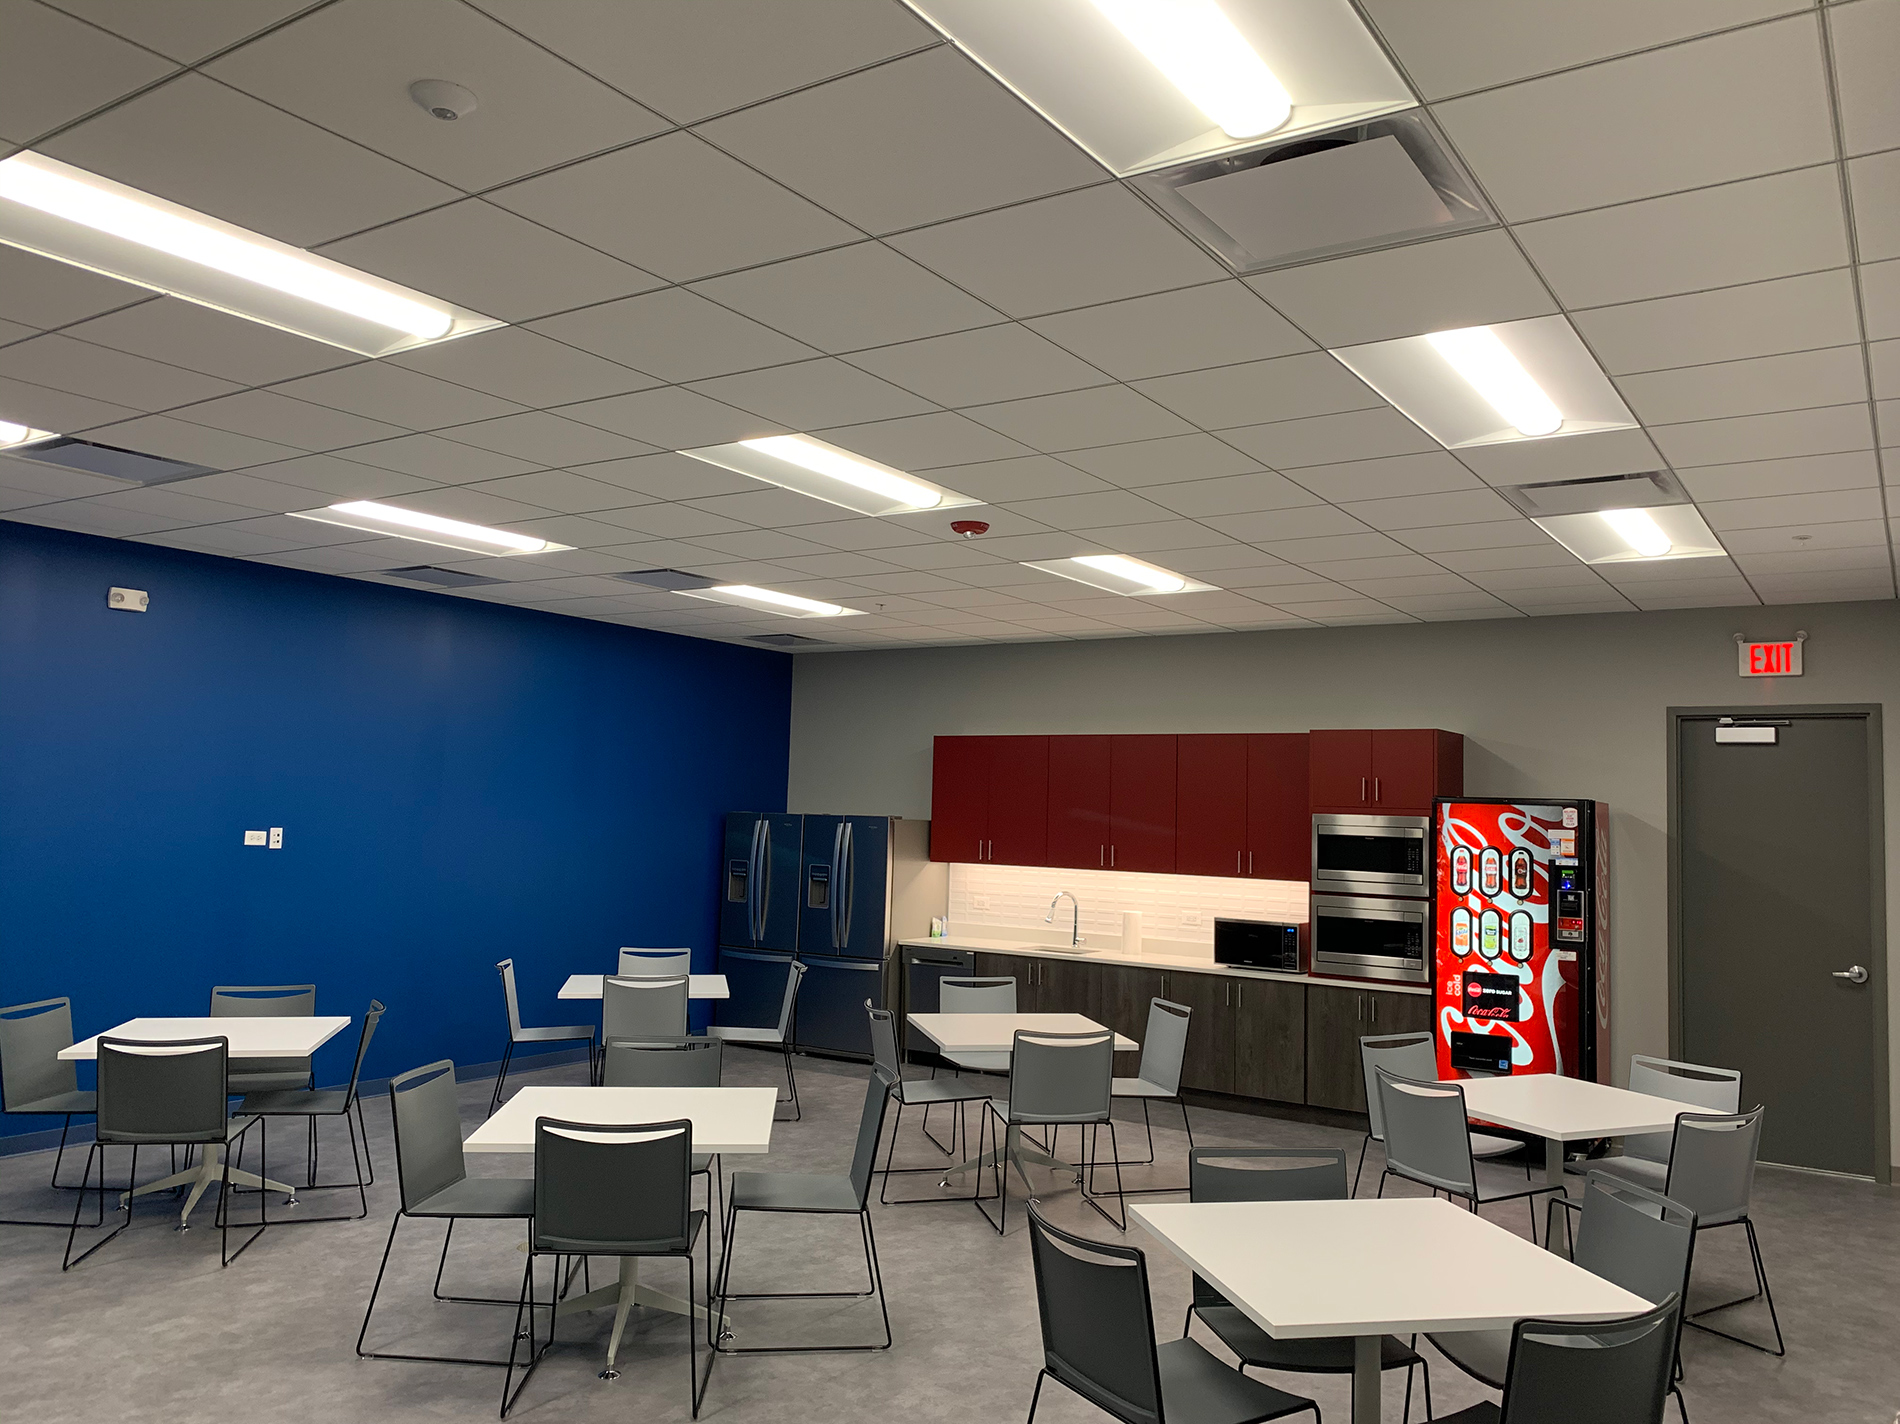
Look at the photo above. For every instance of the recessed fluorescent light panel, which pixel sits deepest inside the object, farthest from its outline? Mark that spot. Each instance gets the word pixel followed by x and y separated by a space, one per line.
pixel 374 517
pixel 807 466
pixel 1628 536
pixel 1143 84
pixel 12 434
pixel 1492 385
pixel 769 600
pixel 74 216
pixel 1117 573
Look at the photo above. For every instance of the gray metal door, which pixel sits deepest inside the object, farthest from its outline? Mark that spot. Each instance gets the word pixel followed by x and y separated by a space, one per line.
pixel 1775 914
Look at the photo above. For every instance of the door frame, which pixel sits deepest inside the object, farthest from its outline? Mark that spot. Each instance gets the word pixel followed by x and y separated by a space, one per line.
pixel 1869 712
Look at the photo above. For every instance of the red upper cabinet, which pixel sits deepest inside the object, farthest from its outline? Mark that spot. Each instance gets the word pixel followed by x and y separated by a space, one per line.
pixel 1143 784
pixel 1279 820
pixel 1078 818
pixel 1019 801
pixel 1385 772
pixel 959 798
pixel 1340 770
pixel 1211 817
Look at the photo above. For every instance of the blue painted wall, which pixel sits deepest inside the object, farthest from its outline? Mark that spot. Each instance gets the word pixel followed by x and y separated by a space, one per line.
pixel 458 782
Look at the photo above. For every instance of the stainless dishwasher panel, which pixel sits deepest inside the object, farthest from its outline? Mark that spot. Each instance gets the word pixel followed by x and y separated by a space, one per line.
pixel 922 969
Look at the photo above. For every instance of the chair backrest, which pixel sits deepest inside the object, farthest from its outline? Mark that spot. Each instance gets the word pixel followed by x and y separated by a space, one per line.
pixel 1234 1174
pixel 1592 1372
pixel 1717 1089
pixel 643 1009
pixel 168 1092
pixel 650 963
pixel 877 1097
pixel 1426 1133
pixel 507 971
pixel 667 1063
pixel 976 996
pixel 1406 1055
pixel 263 1001
pixel 884 1054
pixel 789 1004
pixel 31 1036
pixel 611 1191
pixel 1098 1332
pixel 1061 1077
pixel 1166 1044
pixel 428 1125
pixel 371 1017
pixel 1639 1239
pixel 1712 1164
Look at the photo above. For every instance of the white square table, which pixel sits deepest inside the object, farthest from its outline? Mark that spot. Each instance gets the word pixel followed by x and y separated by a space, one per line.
pixel 291 1036
pixel 725 1120
pixel 1367 1269
pixel 699 986
pixel 1561 1110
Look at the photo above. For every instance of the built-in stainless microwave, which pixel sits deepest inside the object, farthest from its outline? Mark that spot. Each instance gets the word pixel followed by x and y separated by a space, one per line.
pixel 1378 855
pixel 1357 937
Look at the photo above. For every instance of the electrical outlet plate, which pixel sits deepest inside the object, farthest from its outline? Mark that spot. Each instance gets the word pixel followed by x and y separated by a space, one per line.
pixel 979 902
pixel 1191 919
pixel 253 838
pixel 276 837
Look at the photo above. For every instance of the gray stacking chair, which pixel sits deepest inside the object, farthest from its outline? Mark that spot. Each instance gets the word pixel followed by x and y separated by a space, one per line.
pixel 992 995
pixel 1427 1140
pixel 34 1080
pixel 1712 1172
pixel 517 1034
pixel 815 1194
pixel 1644 1159
pixel 779 1037
pixel 314 1103
pixel 1098 1339
pixel 643 1008
pixel 1410 1055
pixel 266 1001
pixel 1057 1079
pixel 1628 1235
pixel 654 963
pixel 672 1063
pixel 916 1092
pixel 610 1191
pixel 173 1093
pixel 1158 1079
pixel 1581 1372
pixel 1237 1174
pixel 435 1185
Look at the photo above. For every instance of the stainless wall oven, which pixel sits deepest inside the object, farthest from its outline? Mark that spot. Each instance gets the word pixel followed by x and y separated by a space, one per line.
pixel 1358 937
pixel 1375 855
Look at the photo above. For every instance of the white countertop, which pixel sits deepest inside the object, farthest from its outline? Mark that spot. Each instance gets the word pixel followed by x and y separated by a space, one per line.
pixel 1148 959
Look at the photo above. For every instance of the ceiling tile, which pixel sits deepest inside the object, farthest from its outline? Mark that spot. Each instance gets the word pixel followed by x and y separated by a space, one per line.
pixel 339 478
pixel 254 493
pixel 184 30
pixel 674 521
pixel 1759 319
pixel 669 476
pixel 1453 282
pixel 1391 573
pixel 1562 580
pixel 1073 511
pixel 810 395
pixel 1232 494
pixel 84 369
pixel 201 339
pixel 1425 511
pixel 172 502
pixel 925 442
pixel 1396 475
pixel 1866 37
pixel 861 534
pixel 693 58
pixel 1103 415
pixel 54 69
pixel 672 418
pixel 401 397
pixel 1755 386
pixel 89 516
pixel 491 261
pixel 677 206
pixel 915 141
pixel 1330 439
pixel 1311 534
pixel 973 367
pixel 1879 295
pixel 1762 437
pixel 674 335
pixel 1885 358
pixel 1098 245
pixel 760 544
pixel 1517 544
pixel 43 408
pixel 524 366
pixel 1876 184
pixel 1839 534
pixel 40 292
pixel 1854 469
pixel 1261 391
pixel 270 416
pixel 1005 481
pixel 1717 109
pixel 442 461
pixel 196 142
pixel 1187 330
pixel 1780 511
pixel 1153 462
pixel 563 491
pixel 546 439
pixel 1802 560
pixel 195 444
pixel 1183 543
pixel 1823 587
pixel 23 485
pixel 1567 457
pixel 475 506
pixel 1713 237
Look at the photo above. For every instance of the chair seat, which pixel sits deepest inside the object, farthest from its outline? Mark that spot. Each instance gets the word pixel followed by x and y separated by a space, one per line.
pixel 286 1082
pixel 1137 1088
pixel 481 1196
pixel 702 1161
pixel 1638 1171
pixel 596 1246
pixel 233 1128
pixel 921 1092
pixel 738 1033
pixel 1485 1145
pixel 791 1191
pixel 553 1035
pixel 1314 1357
pixel 1196 1386
pixel 1001 1108
pixel 1483 1354
pixel 1483 1412
pixel 301 1102
pixel 981 1062
pixel 75 1102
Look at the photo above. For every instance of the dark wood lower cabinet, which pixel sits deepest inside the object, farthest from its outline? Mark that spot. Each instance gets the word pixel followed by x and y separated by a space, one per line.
pixel 1399 1013
pixel 1024 969
pixel 1209 1064
pixel 1336 1019
pixel 1270 1040
pixel 1118 998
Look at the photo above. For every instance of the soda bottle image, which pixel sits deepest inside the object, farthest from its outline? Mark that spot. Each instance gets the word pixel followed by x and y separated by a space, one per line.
pixel 1490 871
pixel 1460 932
pixel 1488 927
pixel 1461 871
pixel 1521 937
pixel 1521 873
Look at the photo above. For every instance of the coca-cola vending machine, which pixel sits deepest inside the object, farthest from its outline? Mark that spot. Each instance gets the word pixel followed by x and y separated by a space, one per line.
pixel 1521 919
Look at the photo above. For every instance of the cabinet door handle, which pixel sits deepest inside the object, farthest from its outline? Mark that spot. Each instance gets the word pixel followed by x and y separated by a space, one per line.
pixel 1101 855
pixel 1250 862
pixel 1111 857
pixel 1359 1000
pixel 1375 790
pixel 992 850
pixel 1362 788
pixel 1236 862
pixel 1375 1008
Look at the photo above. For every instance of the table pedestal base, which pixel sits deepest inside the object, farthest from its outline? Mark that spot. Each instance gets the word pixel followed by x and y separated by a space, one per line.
pixel 1014 1150
pixel 208 1171
pixel 1367 1378
pixel 624 1295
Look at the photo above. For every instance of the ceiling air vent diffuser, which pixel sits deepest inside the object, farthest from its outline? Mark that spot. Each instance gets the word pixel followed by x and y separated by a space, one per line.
pixel 1651 489
pixel 129 466
pixel 440 578
pixel 668 578
pixel 785 640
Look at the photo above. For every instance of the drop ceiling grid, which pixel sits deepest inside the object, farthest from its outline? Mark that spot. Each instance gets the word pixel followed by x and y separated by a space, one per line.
pixel 1310 578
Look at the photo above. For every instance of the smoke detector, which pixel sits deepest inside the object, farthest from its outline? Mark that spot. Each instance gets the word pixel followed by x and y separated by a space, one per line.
pixel 443 100
pixel 969 528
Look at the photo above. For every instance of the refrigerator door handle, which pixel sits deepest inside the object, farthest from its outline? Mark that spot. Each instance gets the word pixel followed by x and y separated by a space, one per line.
pixel 765 874
pixel 847 873
pixel 837 883
pixel 752 883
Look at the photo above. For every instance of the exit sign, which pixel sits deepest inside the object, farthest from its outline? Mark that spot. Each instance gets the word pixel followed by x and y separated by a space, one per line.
pixel 1770 659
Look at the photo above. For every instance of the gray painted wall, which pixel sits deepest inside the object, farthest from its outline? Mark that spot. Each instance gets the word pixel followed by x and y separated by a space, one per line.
pixel 1549 706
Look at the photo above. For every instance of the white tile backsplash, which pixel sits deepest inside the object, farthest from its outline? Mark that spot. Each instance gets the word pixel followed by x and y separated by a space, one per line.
pixel 992 898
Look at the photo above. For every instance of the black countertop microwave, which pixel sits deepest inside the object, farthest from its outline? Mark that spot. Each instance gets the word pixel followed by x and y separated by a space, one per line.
pixel 1257 944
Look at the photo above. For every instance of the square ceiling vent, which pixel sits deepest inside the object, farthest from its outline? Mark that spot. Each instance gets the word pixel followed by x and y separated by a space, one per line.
pixel 1652 489
pixel 1374 185
pixel 132 467
pixel 673 579
pixel 439 578
pixel 785 640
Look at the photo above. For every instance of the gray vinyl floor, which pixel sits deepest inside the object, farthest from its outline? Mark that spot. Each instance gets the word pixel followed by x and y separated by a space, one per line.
pixel 152 1325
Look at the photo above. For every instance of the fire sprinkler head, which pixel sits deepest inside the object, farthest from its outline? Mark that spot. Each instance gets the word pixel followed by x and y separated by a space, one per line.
pixel 968 528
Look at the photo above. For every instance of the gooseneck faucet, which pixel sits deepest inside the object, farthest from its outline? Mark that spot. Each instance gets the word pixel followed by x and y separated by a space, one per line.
pixel 1075 928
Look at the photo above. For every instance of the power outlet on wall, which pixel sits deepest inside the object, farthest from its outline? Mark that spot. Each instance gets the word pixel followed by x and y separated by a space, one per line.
pixel 1191 919
pixel 254 838
pixel 979 902
pixel 276 837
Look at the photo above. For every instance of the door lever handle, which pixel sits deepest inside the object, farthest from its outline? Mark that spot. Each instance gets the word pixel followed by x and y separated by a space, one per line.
pixel 1856 975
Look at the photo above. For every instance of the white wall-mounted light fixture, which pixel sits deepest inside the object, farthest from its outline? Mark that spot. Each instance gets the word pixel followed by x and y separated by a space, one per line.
pixel 769 600
pixel 74 216
pixel 1624 536
pixel 810 466
pixel 374 517
pixel 12 434
pixel 1490 385
pixel 1145 84
pixel 1117 573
